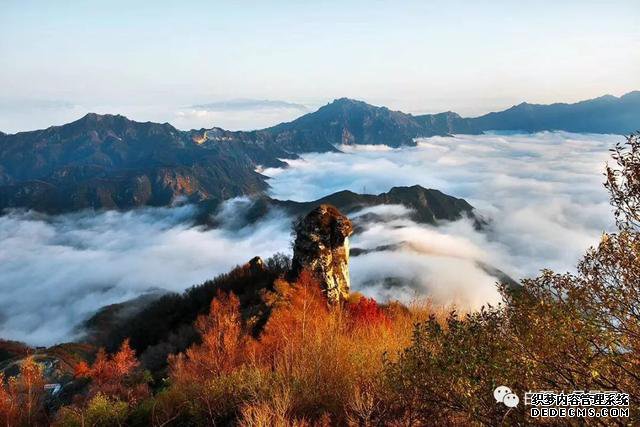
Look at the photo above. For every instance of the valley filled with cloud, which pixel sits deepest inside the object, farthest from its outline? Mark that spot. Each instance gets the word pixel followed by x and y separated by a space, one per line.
pixel 541 194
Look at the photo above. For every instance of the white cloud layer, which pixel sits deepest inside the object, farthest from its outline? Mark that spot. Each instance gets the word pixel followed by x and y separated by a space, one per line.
pixel 422 260
pixel 55 272
pixel 543 191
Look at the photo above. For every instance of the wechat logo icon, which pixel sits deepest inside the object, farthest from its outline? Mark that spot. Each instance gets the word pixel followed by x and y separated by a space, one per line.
pixel 506 396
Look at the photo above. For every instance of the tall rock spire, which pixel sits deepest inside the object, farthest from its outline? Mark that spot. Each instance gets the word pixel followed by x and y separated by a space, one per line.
pixel 322 247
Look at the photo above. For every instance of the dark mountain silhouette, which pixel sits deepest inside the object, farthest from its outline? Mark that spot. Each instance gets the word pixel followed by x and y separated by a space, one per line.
pixel 606 114
pixel 106 161
pixel 109 161
pixel 427 206
pixel 346 121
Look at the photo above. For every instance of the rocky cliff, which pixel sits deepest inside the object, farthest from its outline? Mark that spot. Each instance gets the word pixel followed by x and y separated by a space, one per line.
pixel 322 248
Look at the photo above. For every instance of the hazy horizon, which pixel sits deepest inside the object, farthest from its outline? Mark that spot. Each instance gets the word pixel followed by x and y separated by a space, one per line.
pixel 155 61
pixel 250 114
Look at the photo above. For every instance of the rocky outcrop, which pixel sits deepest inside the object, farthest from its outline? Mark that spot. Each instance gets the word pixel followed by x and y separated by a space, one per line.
pixel 322 248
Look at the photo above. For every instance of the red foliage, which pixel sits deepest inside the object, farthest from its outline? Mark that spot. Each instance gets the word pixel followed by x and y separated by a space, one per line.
pixel 366 312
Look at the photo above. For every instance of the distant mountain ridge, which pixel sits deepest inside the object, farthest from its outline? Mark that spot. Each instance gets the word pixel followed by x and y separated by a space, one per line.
pixel 606 114
pixel 351 122
pixel 109 161
pixel 106 161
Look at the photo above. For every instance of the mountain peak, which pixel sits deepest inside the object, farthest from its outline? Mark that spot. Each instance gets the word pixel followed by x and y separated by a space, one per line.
pixel 607 97
pixel 115 123
pixel 94 119
pixel 97 117
pixel 349 102
pixel 345 100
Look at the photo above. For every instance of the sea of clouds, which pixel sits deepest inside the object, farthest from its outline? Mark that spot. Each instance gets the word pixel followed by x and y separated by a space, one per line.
pixel 543 193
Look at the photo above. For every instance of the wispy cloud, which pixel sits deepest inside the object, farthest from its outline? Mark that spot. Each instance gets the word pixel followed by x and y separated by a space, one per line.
pixel 238 114
pixel 249 105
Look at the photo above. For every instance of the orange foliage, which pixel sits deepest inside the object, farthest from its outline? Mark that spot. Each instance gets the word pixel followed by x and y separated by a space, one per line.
pixel 295 320
pixel 22 397
pixel 9 413
pixel 82 370
pixel 124 361
pixel 224 344
pixel 311 359
pixel 115 375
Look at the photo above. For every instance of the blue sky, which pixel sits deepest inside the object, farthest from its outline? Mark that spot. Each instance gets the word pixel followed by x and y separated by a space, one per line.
pixel 154 59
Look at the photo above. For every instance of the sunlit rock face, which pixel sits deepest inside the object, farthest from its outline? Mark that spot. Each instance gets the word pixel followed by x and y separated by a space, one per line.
pixel 322 247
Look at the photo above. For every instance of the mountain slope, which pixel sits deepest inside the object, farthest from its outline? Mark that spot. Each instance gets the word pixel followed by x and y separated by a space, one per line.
pixel 113 162
pixel 347 121
pixel 426 206
pixel 606 114
pixel 109 161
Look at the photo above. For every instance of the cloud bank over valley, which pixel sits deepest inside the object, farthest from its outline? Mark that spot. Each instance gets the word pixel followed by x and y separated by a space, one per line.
pixel 542 192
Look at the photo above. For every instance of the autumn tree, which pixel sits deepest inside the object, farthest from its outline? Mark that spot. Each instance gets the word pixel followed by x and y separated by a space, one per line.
pixel 8 407
pixel 22 397
pixel 298 310
pixel 209 376
pixel 223 347
pixel 560 332
pixel 116 376
pixel 116 385
pixel 623 182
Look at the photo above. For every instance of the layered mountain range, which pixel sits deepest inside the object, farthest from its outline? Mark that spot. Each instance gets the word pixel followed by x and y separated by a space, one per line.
pixel 109 161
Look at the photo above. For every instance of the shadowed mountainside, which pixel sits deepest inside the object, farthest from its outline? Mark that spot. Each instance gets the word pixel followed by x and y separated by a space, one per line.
pixel 111 162
pixel 427 206
pixel 606 114
pixel 351 122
